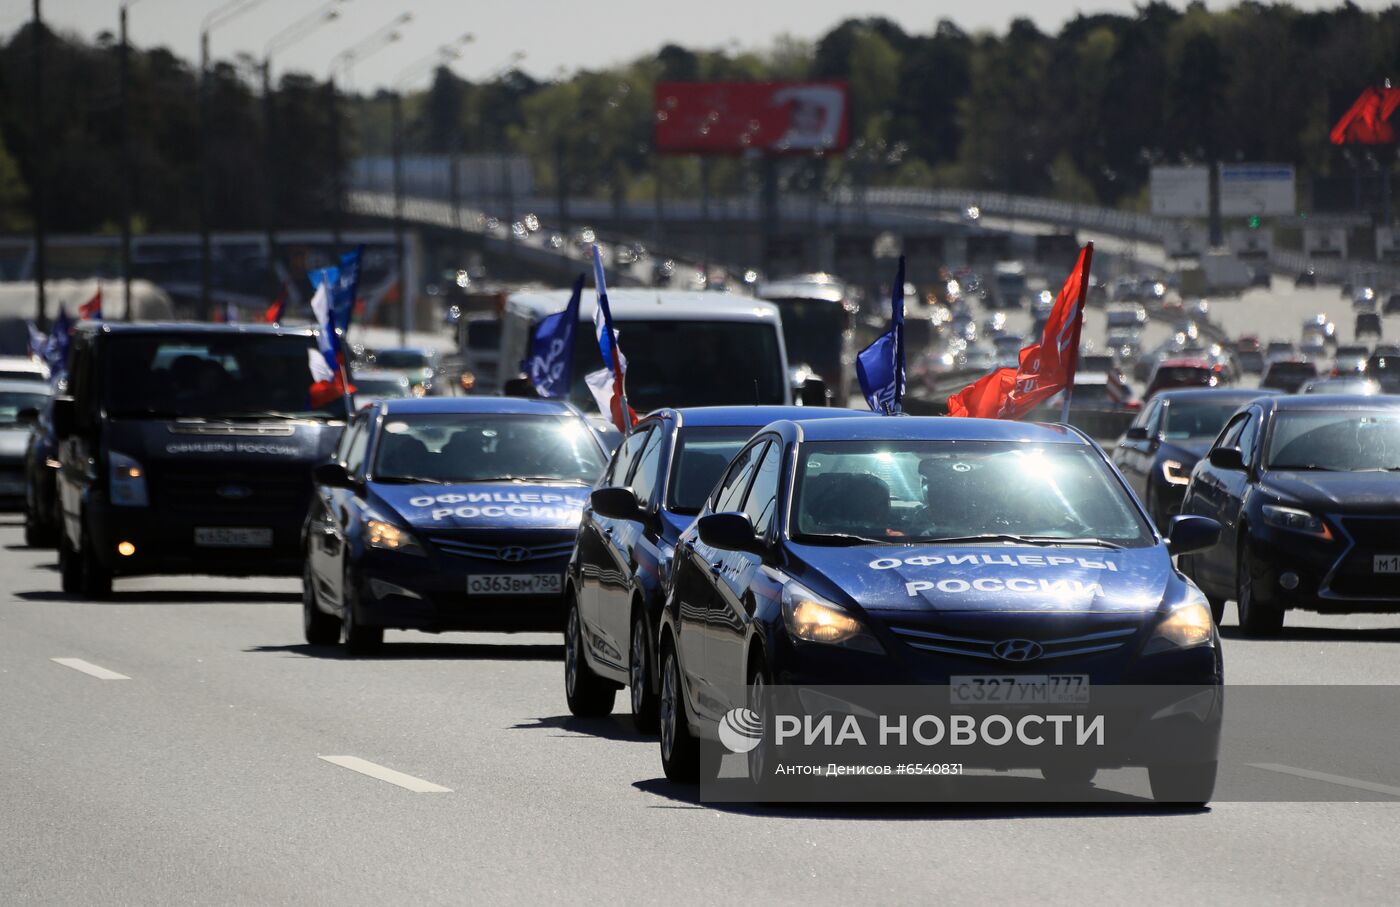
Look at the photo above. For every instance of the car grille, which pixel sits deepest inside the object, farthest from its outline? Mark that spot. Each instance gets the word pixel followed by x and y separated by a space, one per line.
pixel 506 551
pixel 231 491
pixel 1093 642
pixel 1355 576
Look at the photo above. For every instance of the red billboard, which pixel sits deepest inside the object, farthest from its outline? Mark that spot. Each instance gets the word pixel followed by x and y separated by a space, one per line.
pixel 740 117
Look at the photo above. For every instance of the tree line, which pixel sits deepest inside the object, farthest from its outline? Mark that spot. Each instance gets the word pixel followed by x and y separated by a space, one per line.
pixel 1080 114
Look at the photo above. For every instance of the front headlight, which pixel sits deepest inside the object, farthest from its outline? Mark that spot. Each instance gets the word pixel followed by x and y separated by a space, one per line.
pixel 1175 473
pixel 1185 626
pixel 126 481
pixel 1296 520
pixel 386 536
pixel 812 618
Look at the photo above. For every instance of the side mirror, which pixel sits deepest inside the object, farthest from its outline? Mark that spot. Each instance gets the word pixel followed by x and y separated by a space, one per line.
pixel 27 416
pixel 730 531
pixel 1135 433
pixel 1192 533
pixel 332 475
pixel 65 416
pixel 615 503
pixel 813 392
pixel 1227 458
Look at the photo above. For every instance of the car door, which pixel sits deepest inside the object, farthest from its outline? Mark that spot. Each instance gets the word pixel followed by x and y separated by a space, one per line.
pixel 1234 486
pixel 346 505
pixel 594 545
pixel 1206 497
pixel 619 539
pixel 640 550
pixel 696 589
pixel 732 607
pixel 1134 455
pixel 321 526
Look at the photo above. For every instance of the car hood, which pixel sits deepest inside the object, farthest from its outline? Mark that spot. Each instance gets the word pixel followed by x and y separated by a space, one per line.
pixel 13 442
pixel 1188 450
pixel 492 505
pixel 940 578
pixel 1349 492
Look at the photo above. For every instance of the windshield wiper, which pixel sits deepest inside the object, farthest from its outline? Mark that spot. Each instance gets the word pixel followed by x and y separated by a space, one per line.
pixel 1007 538
pixel 525 479
pixel 408 480
pixel 841 538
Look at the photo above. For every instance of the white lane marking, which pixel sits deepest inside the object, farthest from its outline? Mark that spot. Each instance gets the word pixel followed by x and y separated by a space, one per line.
pixel 88 667
pixel 1330 779
pixel 407 782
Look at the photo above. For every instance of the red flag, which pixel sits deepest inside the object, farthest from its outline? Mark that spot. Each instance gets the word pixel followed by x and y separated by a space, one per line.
pixel 92 309
pixel 1045 368
pixel 1367 122
pixel 274 311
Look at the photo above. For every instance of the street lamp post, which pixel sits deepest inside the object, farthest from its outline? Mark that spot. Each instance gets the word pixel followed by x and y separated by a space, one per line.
pixel 321 15
pixel 344 61
pixel 440 55
pixel 219 16
pixel 124 91
pixel 38 158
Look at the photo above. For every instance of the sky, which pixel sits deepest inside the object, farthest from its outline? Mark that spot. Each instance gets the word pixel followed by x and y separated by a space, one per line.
pixel 556 36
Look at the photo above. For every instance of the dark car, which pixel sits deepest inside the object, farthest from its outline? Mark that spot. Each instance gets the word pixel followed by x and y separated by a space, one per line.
pixel 41 513
pixel 447 513
pixel 1306 278
pixel 1310 490
pixel 1173 431
pixel 186 448
pixel 1174 373
pixel 1392 304
pixel 1288 375
pixel 910 551
pixel 655 483
pixel 1368 324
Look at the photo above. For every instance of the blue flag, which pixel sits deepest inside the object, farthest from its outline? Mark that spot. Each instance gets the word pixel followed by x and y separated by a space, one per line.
pixel 345 288
pixel 56 347
pixel 551 362
pixel 880 366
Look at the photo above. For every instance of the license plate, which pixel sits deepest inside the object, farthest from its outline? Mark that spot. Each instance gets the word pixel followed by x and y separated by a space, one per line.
pixel 229 537
pixel 1018 689
pixel 1386 563
pixel 515 584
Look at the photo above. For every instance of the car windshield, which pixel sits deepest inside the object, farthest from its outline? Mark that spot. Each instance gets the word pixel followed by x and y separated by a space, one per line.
pixel 480 447
pixel 1345 440
pixel 1197 418
pixel 484 334
pixel 402 359
pixel 894 492
pixel 1185 374
pixel 689 363
pixel 199 375
pixel 381 388
pixel 700 457
pixel 813 332
pixel 11 402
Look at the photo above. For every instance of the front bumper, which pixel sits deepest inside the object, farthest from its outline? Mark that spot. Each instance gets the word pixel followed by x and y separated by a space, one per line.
pixel 1334 577
pixel 164 542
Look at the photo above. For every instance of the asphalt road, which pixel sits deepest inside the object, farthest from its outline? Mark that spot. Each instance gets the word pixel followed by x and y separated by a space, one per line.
pixel 203 778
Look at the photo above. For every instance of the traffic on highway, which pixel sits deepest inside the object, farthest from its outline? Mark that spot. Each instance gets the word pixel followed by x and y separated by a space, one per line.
pixel 727 475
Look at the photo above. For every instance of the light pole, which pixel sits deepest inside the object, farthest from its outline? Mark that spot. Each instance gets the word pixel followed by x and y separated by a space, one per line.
pixel 322 15
pixel 220 15
pixel 39 157
pixel 440 55
pixel 344 61
pixel 124 92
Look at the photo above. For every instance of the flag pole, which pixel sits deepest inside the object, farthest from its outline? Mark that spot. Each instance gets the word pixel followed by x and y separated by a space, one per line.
pixel 1078 328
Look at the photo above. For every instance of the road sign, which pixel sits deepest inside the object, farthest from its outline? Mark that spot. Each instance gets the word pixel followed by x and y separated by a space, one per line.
pixel 1257 190
pixel 1180 191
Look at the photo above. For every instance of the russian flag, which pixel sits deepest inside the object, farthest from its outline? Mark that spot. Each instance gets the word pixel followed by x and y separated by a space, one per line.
pixel 608 384
pixel 327 361
pixel 92 309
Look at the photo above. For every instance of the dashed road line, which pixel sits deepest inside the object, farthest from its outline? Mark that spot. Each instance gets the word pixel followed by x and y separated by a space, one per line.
pixel 374 770
pixel 1342 780
pixel 89 668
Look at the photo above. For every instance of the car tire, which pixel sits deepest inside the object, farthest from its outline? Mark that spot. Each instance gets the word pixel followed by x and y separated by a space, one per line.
pixel 758 757
pixel 642 677
pixel 320 628
pixel 35 535
pixel 69 568
pixel 359 639
pixel 1191 783
pixel 1257 619
pixel 588 695
pixel 81 572
pixel 680 748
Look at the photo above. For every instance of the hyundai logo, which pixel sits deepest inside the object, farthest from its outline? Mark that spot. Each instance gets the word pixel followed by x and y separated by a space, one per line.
pixel 234 492
pixel 1018 650
pixel 513 554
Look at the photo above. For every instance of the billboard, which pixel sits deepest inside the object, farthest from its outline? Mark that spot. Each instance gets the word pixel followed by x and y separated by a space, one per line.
pixel 1180 191
pixel 1263 190
pixel 751 117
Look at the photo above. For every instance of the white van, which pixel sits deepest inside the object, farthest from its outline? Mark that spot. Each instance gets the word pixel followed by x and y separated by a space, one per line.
pixel 683 348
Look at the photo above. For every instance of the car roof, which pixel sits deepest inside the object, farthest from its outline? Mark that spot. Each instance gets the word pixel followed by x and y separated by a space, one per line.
pixel 513 406
pixel 1216 393
pixel 936 428
pixel 1334 401
pixel 188 327
pixel 10 385
pixel 756 416
pixel 630 304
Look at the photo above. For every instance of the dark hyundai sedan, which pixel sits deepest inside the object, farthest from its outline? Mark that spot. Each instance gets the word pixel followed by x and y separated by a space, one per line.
pixel 655 484
pixel 923 551
pixel 1308 489
pixel 1172 432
